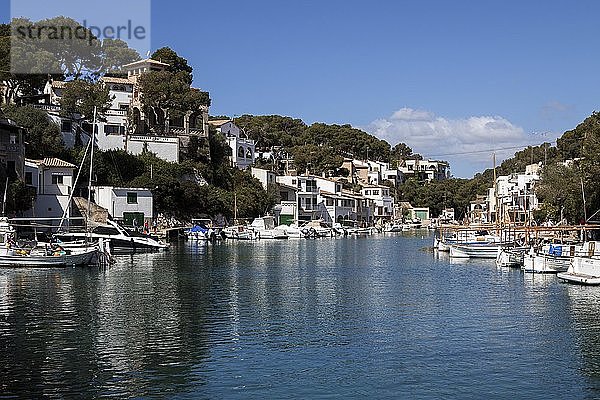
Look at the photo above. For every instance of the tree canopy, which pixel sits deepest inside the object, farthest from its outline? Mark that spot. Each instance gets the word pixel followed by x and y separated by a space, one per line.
pixel 170 94
pixel 176 63
pixel 42 135
pixel 80 97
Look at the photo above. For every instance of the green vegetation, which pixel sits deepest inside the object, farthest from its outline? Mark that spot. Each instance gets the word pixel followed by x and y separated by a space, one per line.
pixel 176 63
pixel 42 135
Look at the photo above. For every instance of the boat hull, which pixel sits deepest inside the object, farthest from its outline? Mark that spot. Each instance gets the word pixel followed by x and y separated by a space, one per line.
pixel 476 251
pixel 10 261
pixel 545 264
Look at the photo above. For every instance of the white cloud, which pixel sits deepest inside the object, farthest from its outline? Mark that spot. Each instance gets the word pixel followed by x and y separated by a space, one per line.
pixel 434 136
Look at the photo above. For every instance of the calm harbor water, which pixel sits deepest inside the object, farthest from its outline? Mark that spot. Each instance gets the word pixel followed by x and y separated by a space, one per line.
pixel 340 318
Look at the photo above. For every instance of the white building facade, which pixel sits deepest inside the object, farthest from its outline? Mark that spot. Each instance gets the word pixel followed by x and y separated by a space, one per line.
pixel 52 179
pixel 126 204
pixel 243 150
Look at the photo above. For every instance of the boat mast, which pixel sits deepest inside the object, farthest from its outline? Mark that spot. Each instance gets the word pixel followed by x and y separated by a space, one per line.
pixel 495 188
pixel 93 139
pixel 4 200
pixel 234 208
pixel 62 219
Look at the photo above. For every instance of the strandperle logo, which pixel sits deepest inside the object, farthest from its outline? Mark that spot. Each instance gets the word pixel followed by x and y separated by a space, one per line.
pixel 82 32
pixel 69 36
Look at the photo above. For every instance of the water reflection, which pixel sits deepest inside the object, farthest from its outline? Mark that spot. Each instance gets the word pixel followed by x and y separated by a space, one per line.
pixel 584 311
pixel 373 316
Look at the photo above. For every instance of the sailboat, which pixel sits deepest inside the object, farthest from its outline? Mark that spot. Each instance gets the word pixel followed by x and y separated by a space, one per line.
pixel 116 236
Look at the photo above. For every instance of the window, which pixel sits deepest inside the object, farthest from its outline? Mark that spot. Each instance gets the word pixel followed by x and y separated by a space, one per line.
pixel 132 198
pixel 123 107
pixel 367 192
pixel 249 153
pixel 28 178
pixel 66 126
pixel 112 129
pixel 311 186
pixel 328 202
pixel 13 139
pixel 293 181
pixel 57 179
pixel 375 192
pixel 240 152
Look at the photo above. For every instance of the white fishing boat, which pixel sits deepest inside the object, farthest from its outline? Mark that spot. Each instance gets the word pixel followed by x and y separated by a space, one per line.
pixel 201 233
pixel 393 227
pixel 316 228
pixel 359 231
pixel 264 227
pixel 477 250
pixel 239 232
pixel 466 238
pixel 510 256
pixel 583 270
pixel 292 231
pixel 555 258
pixel 32 255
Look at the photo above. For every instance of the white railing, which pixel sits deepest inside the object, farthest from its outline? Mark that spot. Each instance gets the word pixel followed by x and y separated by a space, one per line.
pixel 121 113
pixel 46 107
pixel 154 139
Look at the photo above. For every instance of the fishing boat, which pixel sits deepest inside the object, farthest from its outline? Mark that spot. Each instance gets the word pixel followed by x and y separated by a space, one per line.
pixel 239 232
pixel 583 270
pixel 465 238
pixel 316 228
pixel 555 258
pixel 292 231
pixel 32 255
pixel 393 227
pixel 475 250
pixel 510 256
pixel 551 259
pixel 264 227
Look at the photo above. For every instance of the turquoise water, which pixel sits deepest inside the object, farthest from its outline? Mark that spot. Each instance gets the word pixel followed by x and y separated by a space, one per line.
pixel 331 318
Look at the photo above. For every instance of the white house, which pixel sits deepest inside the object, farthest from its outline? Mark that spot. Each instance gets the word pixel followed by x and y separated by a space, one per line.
pixel 429 170
pixel 513 196
pixel 52 179
pixel 243 152
pixel 383 202
pixel 372 172
pixel 265 176
pixel 127 126
pixel 126 204
pixel 307 197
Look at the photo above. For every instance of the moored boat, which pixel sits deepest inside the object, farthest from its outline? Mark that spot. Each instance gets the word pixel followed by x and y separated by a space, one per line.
pixel 479 250
pixel 583 270
pixel 33 255
pixel 510 256
pixel 264 228
pixel 120 238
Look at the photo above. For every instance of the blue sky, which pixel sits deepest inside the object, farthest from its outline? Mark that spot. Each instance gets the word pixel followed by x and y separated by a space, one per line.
pixel 444 77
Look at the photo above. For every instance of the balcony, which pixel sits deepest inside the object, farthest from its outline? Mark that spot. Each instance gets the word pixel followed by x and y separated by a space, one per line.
pixel 47 107
pixel 117 113
pixel 160 139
